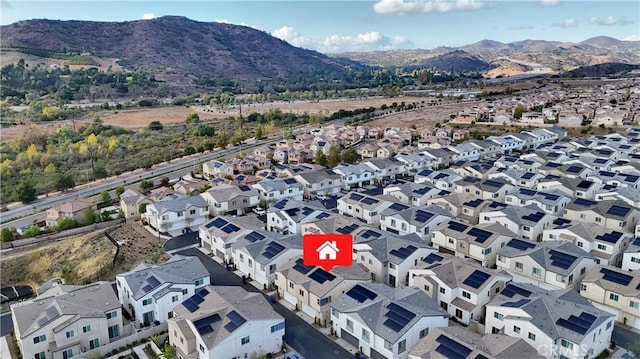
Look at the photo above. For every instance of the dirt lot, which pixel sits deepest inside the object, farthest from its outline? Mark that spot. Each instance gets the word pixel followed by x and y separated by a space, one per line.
pixel 80 259
pixel 422 117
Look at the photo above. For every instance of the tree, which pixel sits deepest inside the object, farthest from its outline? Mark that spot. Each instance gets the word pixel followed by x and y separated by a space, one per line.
pixel 155 126
pixel 169 352
pixel 259 132
pixel 189 151
pixel 88 216
pixel 222 140
pixel 6 235
pixel 144 184
pixel 192 118
pixel 142 208
pixel 51 168
pixel 334 156
pixel 119 191
pixel 105 196
pixel 350 155
pixel 100 172
pixel 320 158
pixel 26 193
pixel 31 231
pixel 64 182
pixel 518 111
pixel 93 149
pixel 66 223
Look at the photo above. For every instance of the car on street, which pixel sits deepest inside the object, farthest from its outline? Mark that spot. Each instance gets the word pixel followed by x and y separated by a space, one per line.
pixel 259 211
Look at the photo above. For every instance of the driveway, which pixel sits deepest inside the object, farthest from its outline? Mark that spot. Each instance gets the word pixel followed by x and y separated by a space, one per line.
pixel 624 338
pixel 299 334
pixel 181 241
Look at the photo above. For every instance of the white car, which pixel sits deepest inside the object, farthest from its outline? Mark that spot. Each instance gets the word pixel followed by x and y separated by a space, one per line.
pixel 259 211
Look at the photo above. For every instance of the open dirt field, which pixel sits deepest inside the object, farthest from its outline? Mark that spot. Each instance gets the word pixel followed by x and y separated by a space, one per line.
pixel 422 118
pixel 12 57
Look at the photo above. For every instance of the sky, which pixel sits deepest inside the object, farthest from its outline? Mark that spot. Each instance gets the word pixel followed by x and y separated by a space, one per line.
pixel 368 25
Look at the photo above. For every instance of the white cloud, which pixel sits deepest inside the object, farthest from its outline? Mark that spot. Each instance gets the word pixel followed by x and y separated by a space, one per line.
pixel 611 20
pixel 567 24
pixel 148 16
pixel 403 7
pixel 632 38
pixel 368 41
pixel 550 2
pixel 222 21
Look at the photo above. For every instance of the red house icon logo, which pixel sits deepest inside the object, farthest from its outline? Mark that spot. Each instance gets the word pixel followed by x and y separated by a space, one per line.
pixel 327 250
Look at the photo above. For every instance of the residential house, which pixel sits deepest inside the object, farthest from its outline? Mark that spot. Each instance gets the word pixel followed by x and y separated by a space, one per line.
pixel 130 202
pixel 485 189
pixel 615 291
pixel 275 189
pixel 444 179
pixel 230 199
pixel 216 168
pixel 415 162
pixel 286 216
pixel 385 322
pixel 560 321
pixel 72 209
pixel 480 243
pixel 616 215
pixel 415 194
pixel 456 341
pixel 354 175
pixel 260 259
pixel 386 168
pixel 311 289
pixel 573 187
pixel 177 215
pixel 402 220
pixel 218 234
pixel 226 322
pixel 606 245
pixel 67 321
pixel 631 256
pixel 150 292
pixel 190 186
pixel 363 207
pixel 527 222
pixel 551 202
pixel 549 264
pixel 321 182
pixel 462 287
pixel 517 177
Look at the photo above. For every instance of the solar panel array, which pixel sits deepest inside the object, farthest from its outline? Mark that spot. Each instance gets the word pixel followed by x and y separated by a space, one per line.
pixel 584 202
pixel 323 215
pixel 244 188
pixel 403 252
pixel 630 178
pixel 510 290
pixel 607 174
pixel 476 279
pixel 204 325
pixel 616 277
pixel 397 317
pixel 584 184
pixel 441 176
pixel 561 260
pixel 300 267
pixel 422 190
pixel 254 236
pixel 636 242
pixel 480 234
pixel 456 226
pixel 618 211
pixel 574 169
pixel 516 304
pixel 236 320
pixel 422 216
pixel 356 197
pixel 230 228
pixel 432 258
pixel 273 249
pixel 290 181
pixel 451 349
pixel 369 201
pixel 612 237
pixel 579 324
pixel 528 175
pixel 192 303
pixel 369 233
pixel 321 276
pixel 473 204
pixel 218 223
pixel 549 196
pixel 398 207
pixel 347 229
pixel 492 183
pixel 534 217
pixel 520 244
pixel 561 221
pixel 280 204
pixel 527 192
pixel 361 294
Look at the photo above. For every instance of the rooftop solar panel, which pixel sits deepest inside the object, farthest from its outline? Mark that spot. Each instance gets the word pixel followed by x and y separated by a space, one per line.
pixel 254 236
pixel 300 267
pixel 612 237
pixel 561 260
pixel 636 242
pixel 147 288
pixel 369 201
pixel 534 217
pixel 574 169
pixel 281 204
pixel 244 188
pixel 516 304
pixel 398 207
pixel 230 228
pixel 393 325
pixel 451 349
pixel 236 318
pixel 422 216
pixel 361 293
pixel 218 223
pixel 494 184
pixel 616 277
pixel 208 320
pixel 230 327
pixel 510 290
pixel 476 279
pixel 369 233
pixel 290 181
pixel 584 202
pixel 432 258
pixel 190 305
pixel 458 227
pixel 618 211
pixel 584 184
pixel 520 244
pixel 202 292
pixel 528 175
pixel 473 204
pixel 356 197
pixel 321 276
pixel 480 234
pixel 527 192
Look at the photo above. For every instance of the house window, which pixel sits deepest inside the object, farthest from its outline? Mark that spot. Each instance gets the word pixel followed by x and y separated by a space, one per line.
pixel 324 301
pixel 291 285
pixel 275 328
pixel 201 348
pixel 634 304
pixel 174 299
pixel 450 240
pixel 613 297
pixel 241 257
pixel 583 287
pixel 193 211
pixel 147 301
pixel 114 331
pixel 185 291
pixel 350 325
pixel 39 339
pixel 461 244
pixel 86 329
pixel 424 332
pixel 583 271
pixel 580 244
pixel 40 355
pixel 365 335
pixel 442 290
pixel 250 263
pixel 94 343
pixel 335 313
pixel 466 294
pixel 392 266
pixel 602 247
pixel 567 344
pixel 113 314
pixel 244 340
pixel 532 336
pixel 67 354
pixel 516 329
pixel 301 292
pixel 598 219
pixel 486 251
pixel 498 315
pixel 69 334
pixel 199 282
pixel 458 313
pixel 560 278
pixel 402 346
pixel 170 314
pixel 388 345
pixel 536 272
pixel 608 325
pixel 553 236
pixel 426 288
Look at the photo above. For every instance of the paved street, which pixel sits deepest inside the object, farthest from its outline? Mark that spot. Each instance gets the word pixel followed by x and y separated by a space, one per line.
pixel 624 338
pixel 299 334
pixel 6 324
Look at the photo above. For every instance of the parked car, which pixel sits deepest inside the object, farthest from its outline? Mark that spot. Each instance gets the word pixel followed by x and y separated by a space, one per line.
pixel 259 211
pixel 293 356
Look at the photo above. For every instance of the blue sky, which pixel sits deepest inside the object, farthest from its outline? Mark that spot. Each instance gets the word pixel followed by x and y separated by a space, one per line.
pixel 338 26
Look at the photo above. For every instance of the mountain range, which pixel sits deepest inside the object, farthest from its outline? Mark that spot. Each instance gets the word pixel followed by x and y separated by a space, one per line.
pixel 185 51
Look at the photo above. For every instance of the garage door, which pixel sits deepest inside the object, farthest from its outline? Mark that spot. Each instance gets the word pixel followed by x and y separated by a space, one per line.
pixel 219 254
pixel 309 311
pixel 290 298
pixel 344 334
pixel 376 355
